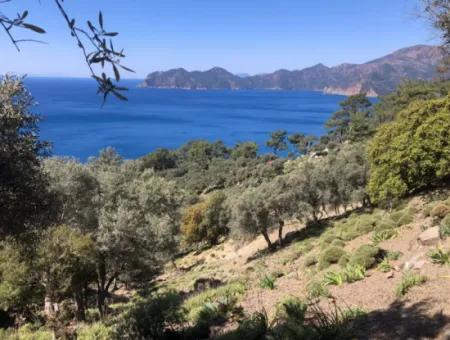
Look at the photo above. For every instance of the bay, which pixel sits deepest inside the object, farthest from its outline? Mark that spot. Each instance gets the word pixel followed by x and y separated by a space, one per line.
pixel 78 126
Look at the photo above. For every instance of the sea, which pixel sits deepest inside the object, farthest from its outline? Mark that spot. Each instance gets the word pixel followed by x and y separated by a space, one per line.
pixel 77 124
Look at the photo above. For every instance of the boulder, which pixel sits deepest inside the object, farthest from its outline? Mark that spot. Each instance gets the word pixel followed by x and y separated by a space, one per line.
pixel 429 237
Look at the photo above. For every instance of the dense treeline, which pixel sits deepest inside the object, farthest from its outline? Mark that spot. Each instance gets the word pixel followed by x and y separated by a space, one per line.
pixel 72 233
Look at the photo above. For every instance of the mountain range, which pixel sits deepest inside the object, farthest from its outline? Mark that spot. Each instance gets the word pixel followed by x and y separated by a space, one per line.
pixel 376 77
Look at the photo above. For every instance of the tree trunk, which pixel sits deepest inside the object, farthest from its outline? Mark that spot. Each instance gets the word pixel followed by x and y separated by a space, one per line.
pixel 266 237
pixel 49 307
pixel 280 232
pixel 80 305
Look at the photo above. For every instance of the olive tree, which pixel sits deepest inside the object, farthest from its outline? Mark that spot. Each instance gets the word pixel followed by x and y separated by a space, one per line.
pixel 259 210
pixel 24 199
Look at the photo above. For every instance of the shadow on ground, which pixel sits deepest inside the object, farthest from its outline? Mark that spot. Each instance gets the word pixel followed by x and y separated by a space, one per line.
pixel 403 321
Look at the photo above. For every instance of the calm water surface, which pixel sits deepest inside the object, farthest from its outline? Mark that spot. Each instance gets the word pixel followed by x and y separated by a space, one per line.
pixel 78 126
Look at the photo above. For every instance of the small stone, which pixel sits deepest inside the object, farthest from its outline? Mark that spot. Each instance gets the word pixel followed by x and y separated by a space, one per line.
pixel 430 236
pixel 390 275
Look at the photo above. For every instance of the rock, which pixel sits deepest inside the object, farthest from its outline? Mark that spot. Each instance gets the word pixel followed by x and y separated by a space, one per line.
pixel 429 237
pixel 390 275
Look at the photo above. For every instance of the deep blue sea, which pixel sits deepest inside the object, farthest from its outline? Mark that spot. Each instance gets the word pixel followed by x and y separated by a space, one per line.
pixel 78 126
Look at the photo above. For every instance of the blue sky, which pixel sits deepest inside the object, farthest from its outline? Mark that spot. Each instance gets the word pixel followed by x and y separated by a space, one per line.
pixel 252 36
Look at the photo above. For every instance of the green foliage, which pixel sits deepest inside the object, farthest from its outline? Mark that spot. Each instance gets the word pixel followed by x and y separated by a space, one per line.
pixel 277 141
pixel 267 282
pixel 317 289
pixel 226 295
pixel 245 150
pixel 440 210
pixel 444 227
pixel 352 121
pixel 27 332
pixel 393 255
pixel 205 221
pixel 409 280
pixel 334 278
pixel 366 256
pixel 310 260
pixel 15 280
pixel 384 266
pixel 159 160
pixel 354 272
pixel 302 143
pixel 412 152
pixel 25 202
pixel 330 255
pixel 97 331
pixel 383 235
pixel 291 308
pixel 151 317
pixel 439 256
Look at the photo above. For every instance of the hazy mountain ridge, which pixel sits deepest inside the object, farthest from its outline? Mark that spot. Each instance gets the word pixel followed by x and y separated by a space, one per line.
pixel 376 77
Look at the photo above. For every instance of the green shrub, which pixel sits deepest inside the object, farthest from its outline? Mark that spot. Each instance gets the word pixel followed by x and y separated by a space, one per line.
pixel 334 278
pixel 343 261
pixel 383 235
pixel 149 318
pixel 226 295
pixel 326 240
pixel 27 332
pixel 338 243
pixel 444 227
pixel 330 255
pixel 97 331
pixel 384 266
pixel 267 282
pixel 366 256
pixel 401 217
pixel 440 211
pixel 426 211
pixel 290 309
pixel 317 289
pixel 393 255
pixel 349 235
pixel 409 280
pixel 310 260
pixel 355 272
pixel 439 256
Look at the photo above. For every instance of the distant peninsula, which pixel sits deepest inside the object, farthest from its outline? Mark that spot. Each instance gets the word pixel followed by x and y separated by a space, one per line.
pixel 376 77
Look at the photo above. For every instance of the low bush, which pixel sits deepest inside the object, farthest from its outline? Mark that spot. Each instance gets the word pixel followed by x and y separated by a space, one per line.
pixel 343 261
pixel 440 211
pixel 338 243
pixel 289 309
pixel 310 260
pixel 334 278
pixel 402 217
pixel 383 235
pixel 384 266
pixel 317 289
pixel 439 256
pixel 267 282
pixel 97 331
pixel 150 318
pixel 393 255
pixel 444 227
pixel 27 332
pixel 409 280
pixel 366 256
pixel 226 295
pixel 355 272
pixel 330 255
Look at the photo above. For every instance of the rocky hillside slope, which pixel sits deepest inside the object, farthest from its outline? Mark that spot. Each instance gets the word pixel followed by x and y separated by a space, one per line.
pixel 389 269
pixel 376 77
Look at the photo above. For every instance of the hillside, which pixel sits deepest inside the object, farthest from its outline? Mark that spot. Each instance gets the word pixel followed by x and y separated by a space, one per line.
pixel 376 77
pixel 383 302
